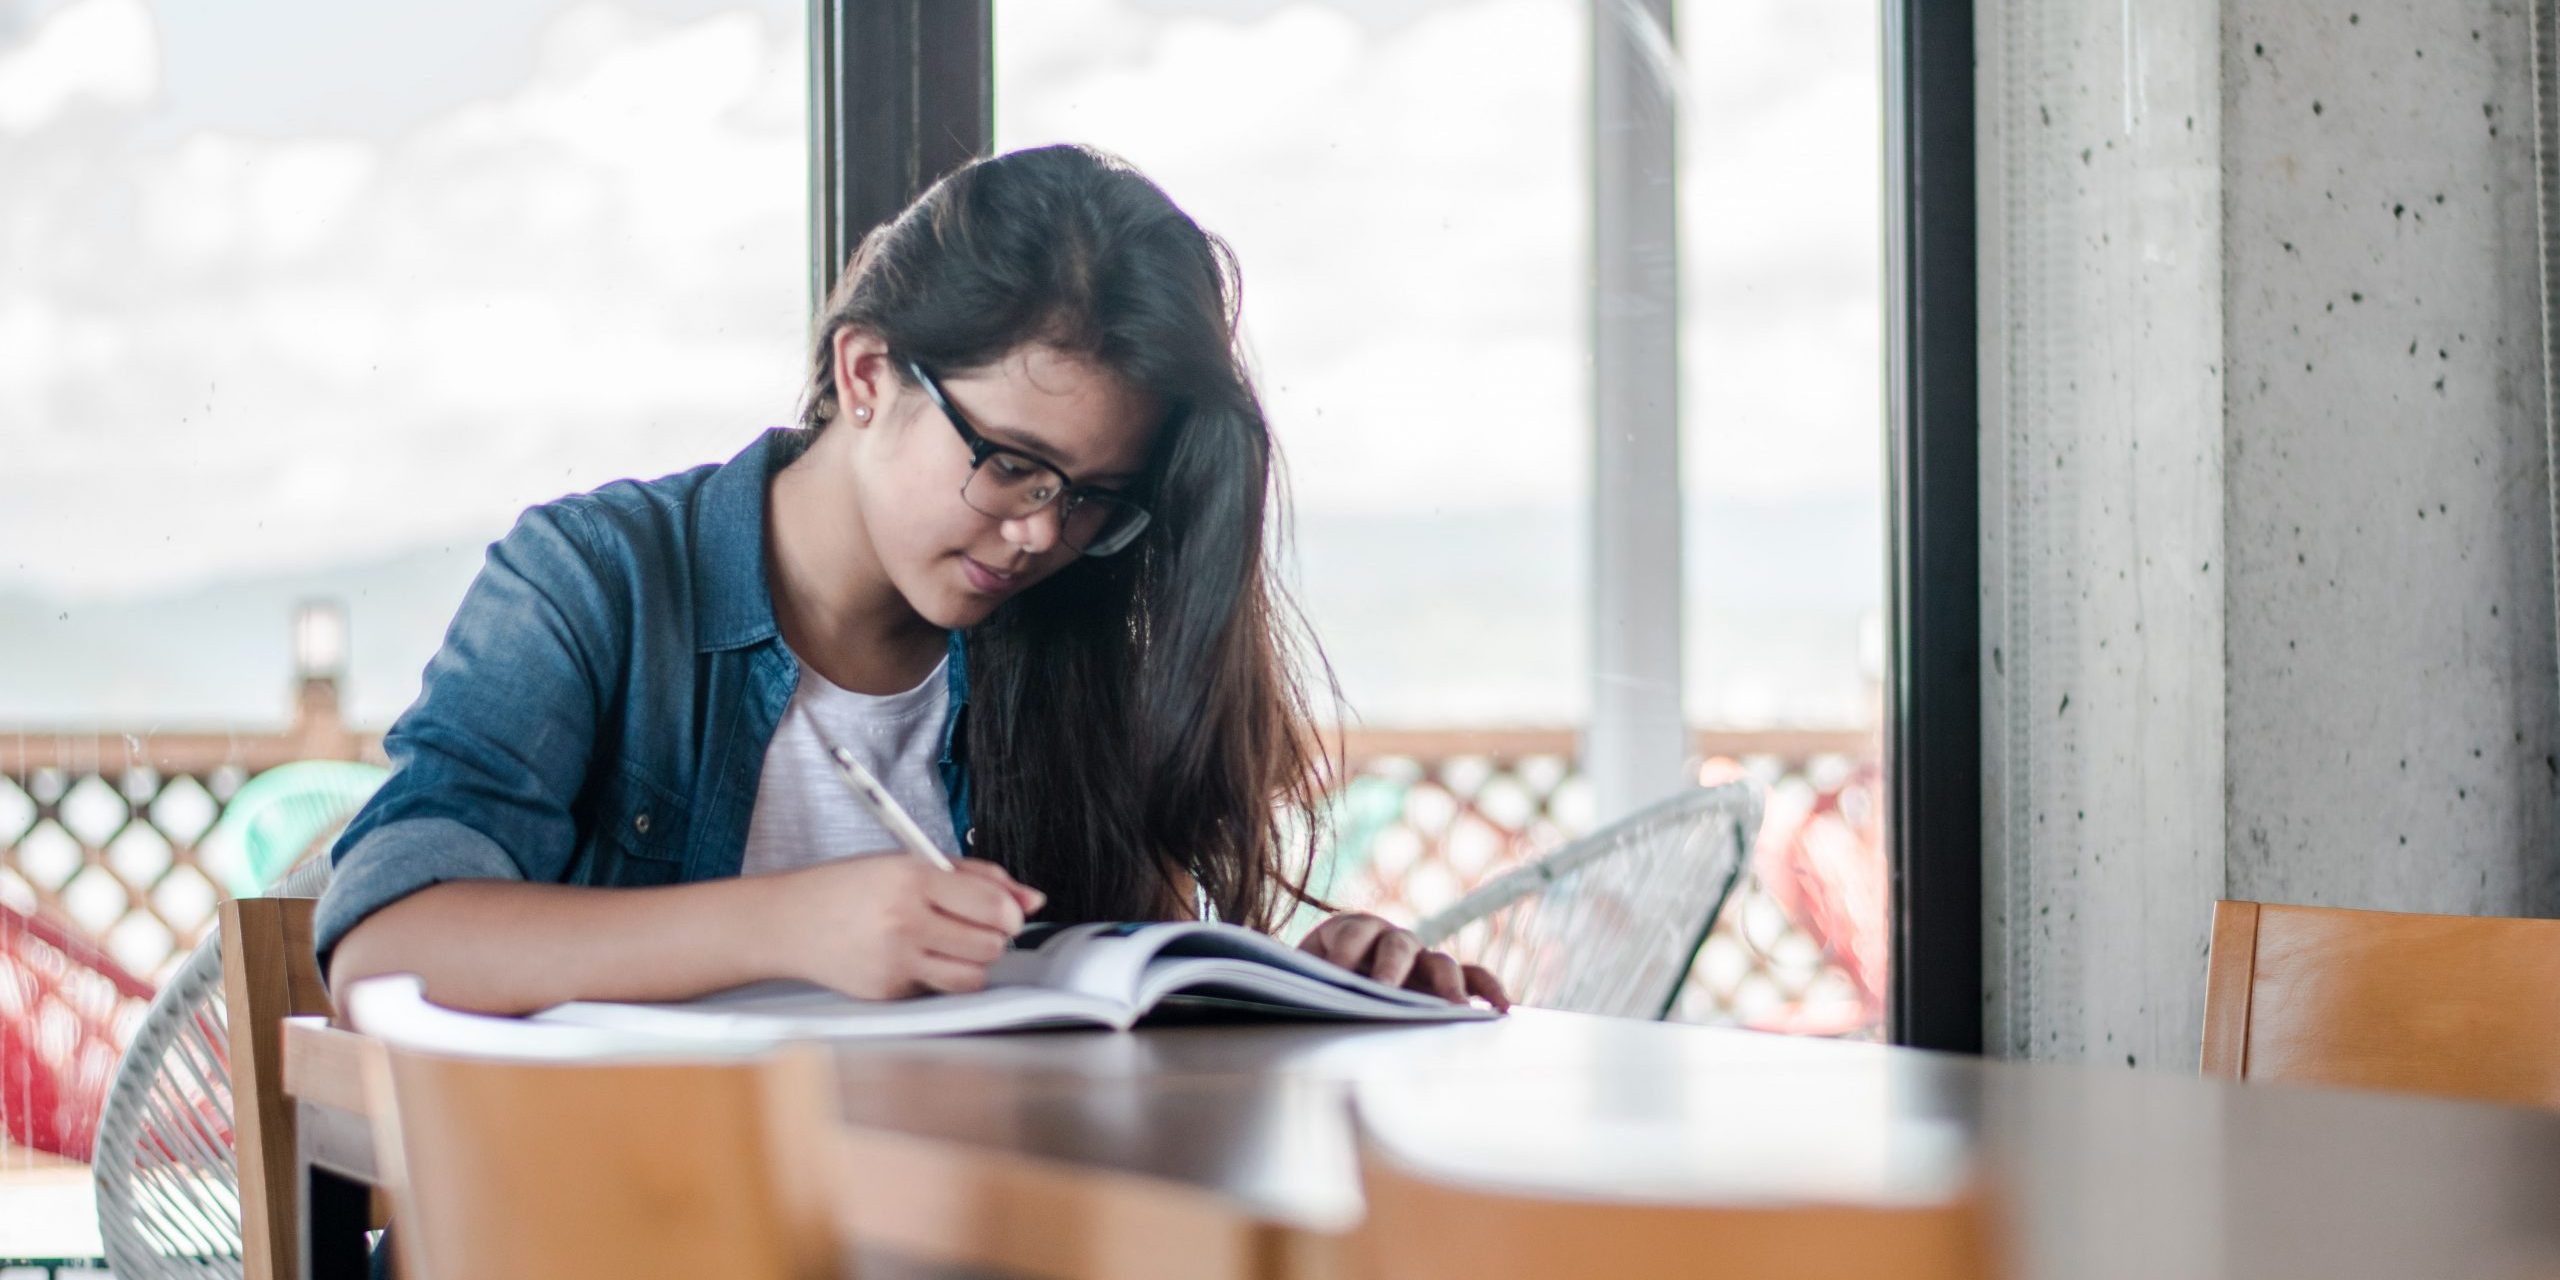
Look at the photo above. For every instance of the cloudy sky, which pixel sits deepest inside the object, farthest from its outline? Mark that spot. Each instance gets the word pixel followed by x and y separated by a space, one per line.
pixel 287 284
pixel 249 326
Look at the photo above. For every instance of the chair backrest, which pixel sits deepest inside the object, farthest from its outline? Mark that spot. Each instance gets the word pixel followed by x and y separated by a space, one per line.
pixel 2461 1006
pixel 552 1164
pixel 269 974
pixel 1419 1226
pixel 166 1186
pixel 1610 923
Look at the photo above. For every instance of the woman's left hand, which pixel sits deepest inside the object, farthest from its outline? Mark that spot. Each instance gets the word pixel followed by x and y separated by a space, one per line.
pixel 1367 945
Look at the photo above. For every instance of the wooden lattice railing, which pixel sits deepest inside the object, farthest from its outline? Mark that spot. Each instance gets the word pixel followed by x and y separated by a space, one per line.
pixel 101 830
pixel 1424 816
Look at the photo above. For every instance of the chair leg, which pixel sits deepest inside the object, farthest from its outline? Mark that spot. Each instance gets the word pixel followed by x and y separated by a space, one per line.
pixel 335 1208
pixel 333 1218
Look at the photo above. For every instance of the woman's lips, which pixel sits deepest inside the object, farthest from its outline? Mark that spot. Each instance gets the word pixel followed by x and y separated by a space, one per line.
pixel 986 580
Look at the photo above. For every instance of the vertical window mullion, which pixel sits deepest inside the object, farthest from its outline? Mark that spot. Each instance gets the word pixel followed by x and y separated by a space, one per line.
pixel 1933 726
pixel 901 92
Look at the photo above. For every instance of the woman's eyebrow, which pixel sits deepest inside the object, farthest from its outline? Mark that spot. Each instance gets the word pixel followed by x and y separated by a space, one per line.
pixel 1021 441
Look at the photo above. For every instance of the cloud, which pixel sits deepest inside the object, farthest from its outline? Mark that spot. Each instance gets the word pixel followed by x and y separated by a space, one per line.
pixel 231 352
pixel 1408 218
pixel 101 52
pixel 224 351
pixel 1410 203
pixel 213 201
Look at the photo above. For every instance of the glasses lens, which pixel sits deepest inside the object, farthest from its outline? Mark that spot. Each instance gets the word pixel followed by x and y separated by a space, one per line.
pixel 1099 526
pixel 1010 486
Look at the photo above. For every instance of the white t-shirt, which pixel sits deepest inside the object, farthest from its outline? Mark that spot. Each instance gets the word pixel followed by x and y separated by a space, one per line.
pixel 805 814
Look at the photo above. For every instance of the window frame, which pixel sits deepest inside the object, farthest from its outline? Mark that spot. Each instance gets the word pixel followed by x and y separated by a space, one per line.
pixel 901 92
pixel 1933 681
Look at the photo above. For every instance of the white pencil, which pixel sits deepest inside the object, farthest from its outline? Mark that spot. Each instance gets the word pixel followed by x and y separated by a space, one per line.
pixel 884 807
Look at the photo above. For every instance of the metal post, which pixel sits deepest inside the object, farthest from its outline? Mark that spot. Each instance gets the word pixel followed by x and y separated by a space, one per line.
pixel 1933 709
pixel 1637 742
pixel 901 92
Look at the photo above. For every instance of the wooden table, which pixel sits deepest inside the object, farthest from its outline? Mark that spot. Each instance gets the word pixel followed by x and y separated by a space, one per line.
pixel 1226 1150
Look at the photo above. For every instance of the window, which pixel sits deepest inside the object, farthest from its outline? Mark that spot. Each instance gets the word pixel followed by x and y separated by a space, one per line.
pixel 1408 188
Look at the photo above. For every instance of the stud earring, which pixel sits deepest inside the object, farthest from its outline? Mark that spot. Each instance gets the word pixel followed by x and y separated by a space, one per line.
pixel 862 413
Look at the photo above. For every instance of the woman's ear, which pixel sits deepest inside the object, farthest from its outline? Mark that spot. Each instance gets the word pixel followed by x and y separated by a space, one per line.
pixel 866 378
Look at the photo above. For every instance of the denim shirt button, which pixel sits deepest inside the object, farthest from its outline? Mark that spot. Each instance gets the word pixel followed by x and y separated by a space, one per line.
pixel 641 824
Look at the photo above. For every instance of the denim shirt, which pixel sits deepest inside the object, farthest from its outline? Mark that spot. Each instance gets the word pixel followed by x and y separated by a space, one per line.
pixel 599 712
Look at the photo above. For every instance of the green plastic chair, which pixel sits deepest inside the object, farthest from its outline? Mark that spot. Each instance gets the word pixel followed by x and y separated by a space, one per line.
pixel 274 818
pixel 1360 812
pixel 1354 815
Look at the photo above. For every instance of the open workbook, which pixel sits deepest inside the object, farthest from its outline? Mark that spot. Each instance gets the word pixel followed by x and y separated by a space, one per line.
pixel 1107 975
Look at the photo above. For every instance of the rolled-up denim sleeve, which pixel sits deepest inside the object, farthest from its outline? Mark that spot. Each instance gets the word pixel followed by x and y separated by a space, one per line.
pixel 488 762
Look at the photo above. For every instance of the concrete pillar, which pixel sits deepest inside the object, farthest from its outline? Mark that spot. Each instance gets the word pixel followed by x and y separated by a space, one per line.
pixel 2103 559
pixel 2391 670
pixel 2267 532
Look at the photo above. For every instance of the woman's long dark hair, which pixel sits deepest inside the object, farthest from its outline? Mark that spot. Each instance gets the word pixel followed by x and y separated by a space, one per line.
pixel 1136 717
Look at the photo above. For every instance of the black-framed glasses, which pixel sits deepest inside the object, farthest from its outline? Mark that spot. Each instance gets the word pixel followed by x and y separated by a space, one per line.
pixel 1009 484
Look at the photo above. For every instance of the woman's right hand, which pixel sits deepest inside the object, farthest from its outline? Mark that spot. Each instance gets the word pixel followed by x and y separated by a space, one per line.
pixel 887 925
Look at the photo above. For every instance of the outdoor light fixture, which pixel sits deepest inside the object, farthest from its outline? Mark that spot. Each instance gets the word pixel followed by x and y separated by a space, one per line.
pixel 319 640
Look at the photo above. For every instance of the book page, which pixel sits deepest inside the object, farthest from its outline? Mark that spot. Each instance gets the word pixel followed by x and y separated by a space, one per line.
pixel 1139 963
pixel 1251 984
pixel 775 1012
pixel 1232 943
pixel 1104 961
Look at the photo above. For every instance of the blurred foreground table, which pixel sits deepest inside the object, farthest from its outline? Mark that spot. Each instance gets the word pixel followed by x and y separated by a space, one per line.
pixel 1227 1151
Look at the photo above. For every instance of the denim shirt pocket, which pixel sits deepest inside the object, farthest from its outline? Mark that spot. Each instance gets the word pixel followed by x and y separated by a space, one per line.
pixel 641 832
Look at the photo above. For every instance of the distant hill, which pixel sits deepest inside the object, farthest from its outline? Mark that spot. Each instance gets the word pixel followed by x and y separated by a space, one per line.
pixel 222 654
pixel 1430 618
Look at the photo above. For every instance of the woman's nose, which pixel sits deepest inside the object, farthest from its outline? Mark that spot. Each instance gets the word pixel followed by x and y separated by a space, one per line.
pixel 1034 533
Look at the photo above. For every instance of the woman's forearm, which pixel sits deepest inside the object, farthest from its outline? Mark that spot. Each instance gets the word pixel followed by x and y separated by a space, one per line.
pixel 508 947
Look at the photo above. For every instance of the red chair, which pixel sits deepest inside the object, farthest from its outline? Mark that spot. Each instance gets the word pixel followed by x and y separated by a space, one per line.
pixel 66 1011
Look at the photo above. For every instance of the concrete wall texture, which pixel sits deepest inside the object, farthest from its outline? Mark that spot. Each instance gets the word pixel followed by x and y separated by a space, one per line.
pixel 2268 554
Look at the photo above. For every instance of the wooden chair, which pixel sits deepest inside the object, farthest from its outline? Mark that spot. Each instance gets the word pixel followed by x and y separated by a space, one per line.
pixel 553 1162
pixel 1420 1226
pixel 2460 1006
pixel 268 975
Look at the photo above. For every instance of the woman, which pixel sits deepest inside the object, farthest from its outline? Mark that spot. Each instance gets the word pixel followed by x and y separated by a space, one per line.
pixel 1013 556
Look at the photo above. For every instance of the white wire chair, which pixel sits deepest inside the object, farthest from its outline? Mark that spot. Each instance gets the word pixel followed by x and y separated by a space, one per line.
pixel 1611 923
pixel 168 1182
